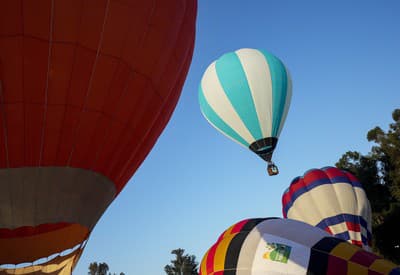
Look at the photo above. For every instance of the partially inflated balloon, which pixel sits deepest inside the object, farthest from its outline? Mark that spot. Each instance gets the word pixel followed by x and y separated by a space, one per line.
pixel 284 246
pixel 332 200
pixel 246 95
pixel 86 88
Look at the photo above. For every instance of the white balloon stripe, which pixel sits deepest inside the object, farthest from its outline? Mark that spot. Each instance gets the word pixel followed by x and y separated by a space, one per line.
pixel 345 197
pixel 328 206
pixel 219 102
pixel 259 80
pixel 288 100
pixel 222 132
pixel 363 205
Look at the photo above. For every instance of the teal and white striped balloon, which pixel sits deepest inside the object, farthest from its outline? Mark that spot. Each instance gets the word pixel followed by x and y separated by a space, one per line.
pixel 246 95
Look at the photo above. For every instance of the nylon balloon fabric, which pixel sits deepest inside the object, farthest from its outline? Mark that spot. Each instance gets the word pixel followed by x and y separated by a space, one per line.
pixel 86 88
pixel 333 200
pixel 246 95
pixel 285 246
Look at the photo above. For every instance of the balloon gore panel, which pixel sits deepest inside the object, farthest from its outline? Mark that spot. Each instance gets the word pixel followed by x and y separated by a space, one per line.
pixel 86 88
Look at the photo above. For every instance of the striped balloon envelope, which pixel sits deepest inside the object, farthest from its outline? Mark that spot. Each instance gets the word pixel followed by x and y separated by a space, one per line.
pixel 246 95
pixel 285 246
pixel 332 200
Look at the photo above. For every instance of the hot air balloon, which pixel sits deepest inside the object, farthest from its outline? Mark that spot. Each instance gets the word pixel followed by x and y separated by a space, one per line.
pixel 246 95
pixel 332 200
pixel 285 246
pixel 86 88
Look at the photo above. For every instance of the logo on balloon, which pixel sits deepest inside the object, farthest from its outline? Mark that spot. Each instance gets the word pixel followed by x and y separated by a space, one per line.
pixel 277 252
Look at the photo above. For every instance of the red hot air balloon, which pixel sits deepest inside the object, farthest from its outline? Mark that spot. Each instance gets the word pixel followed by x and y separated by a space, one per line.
pixel 86 88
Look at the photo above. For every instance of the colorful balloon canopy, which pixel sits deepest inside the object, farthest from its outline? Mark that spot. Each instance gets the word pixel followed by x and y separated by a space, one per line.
pixel 86 88
pixel 332 200
pixel 246 95
pixel 284 246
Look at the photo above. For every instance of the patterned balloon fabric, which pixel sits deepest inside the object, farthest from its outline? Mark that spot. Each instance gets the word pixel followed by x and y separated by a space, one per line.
pixel 285 246
pixel 332 200
pixel 246 95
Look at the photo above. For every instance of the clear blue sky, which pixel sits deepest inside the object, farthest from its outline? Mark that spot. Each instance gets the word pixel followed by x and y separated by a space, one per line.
pixel 344 58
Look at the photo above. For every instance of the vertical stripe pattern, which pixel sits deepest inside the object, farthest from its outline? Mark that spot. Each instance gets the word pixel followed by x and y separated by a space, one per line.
pixel 297 248
pixel 279 79
pixel 224 254
pixel 246 95
pixel 332 200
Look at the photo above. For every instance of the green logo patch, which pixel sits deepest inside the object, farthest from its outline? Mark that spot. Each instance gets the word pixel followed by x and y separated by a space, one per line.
pixel 277 252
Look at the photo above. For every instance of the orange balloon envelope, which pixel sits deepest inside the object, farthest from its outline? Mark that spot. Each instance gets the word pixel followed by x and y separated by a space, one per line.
pixel 86 88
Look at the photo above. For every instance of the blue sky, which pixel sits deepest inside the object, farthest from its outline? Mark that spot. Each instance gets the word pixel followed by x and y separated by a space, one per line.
pixel 344 60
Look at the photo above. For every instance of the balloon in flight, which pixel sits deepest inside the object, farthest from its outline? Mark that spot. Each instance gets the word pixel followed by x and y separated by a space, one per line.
pixel 333 200
pixel 246 95
pixel 86 88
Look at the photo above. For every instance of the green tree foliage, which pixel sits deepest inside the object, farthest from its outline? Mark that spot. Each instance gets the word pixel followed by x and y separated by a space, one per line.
pixel 93 267
pixel 100 269
pixel 387 237
pixel 366 169
pixel 387 151
pixel 183 264
pixel 379 173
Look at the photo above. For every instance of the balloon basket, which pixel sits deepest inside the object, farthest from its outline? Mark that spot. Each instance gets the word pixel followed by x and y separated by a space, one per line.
pixel 272 169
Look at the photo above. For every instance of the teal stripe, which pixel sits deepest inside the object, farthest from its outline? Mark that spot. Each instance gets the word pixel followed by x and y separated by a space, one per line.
pixel 210 114
pixel 233 80
pixel 279 90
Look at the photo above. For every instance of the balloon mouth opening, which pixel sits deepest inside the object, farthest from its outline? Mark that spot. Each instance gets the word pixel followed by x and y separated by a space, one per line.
pixel 71 254
pixel 264 148
pixel 35 247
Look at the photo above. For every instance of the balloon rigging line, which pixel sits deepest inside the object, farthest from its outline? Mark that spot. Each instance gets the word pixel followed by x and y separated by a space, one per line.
pixel 177 82
pixel 90 82
pixel 47 80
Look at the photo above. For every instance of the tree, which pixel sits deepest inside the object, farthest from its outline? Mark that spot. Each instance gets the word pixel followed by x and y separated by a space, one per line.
pixel 387 238
pixel 100 269
pixel 183 264
pixel 103 269
pixel 93 267
pixel 365 168
pixel 379 173
pixel 387 151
